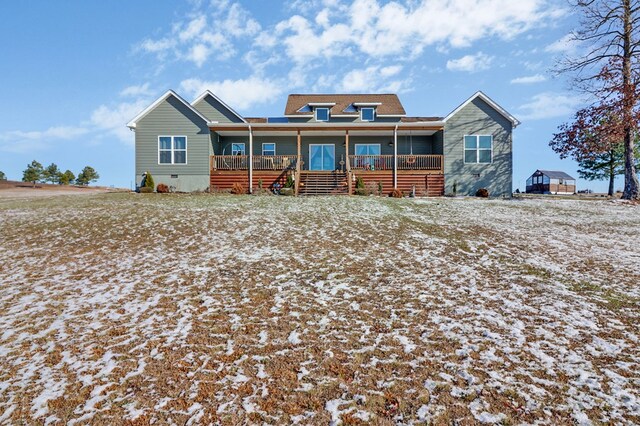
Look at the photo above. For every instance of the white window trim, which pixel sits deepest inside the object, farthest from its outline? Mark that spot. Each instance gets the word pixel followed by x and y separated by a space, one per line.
pixel 374 114
pixel 477 149
pixel 173 150
pixel 269 143
pixel 315 114
pixel 244 147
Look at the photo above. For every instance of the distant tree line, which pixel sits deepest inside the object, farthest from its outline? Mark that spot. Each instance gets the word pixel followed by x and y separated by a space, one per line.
pixel 35 172
pixel 2 175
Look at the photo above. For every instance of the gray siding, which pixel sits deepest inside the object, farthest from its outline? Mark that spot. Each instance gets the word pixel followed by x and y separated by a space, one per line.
pixel 478 118
pixel 173 118
pixel 215 111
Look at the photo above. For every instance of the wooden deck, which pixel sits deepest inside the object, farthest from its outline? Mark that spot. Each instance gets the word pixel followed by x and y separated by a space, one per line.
pixel 423 174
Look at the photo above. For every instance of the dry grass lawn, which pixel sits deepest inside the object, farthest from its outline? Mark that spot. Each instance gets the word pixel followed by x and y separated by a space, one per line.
pixel 138 309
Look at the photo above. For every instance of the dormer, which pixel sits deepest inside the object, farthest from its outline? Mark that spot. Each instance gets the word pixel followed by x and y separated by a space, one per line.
pixel 367 110
pixel 321 110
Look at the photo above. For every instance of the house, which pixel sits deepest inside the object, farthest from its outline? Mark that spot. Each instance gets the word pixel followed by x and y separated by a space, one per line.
pixel 325 142
pixel 550 182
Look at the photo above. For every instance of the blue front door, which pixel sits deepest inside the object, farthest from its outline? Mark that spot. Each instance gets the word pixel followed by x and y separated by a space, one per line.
pixel 322 157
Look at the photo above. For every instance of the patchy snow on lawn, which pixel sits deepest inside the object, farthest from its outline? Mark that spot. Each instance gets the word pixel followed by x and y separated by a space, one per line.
pixel 329 310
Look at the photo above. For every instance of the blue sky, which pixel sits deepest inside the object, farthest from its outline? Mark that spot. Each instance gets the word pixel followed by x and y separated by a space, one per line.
pixel 75 72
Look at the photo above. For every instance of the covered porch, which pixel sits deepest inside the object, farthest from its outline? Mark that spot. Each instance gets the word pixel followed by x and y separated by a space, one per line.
pixel 381 151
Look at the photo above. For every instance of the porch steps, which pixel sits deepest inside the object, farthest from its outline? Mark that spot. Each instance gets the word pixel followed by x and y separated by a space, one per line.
pixel 323 183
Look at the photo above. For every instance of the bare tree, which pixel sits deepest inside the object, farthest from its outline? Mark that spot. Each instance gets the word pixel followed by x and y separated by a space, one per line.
pixel 609 32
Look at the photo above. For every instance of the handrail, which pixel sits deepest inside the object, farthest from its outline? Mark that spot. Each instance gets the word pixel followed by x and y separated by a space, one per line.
pixel 260 162
pixel 405 162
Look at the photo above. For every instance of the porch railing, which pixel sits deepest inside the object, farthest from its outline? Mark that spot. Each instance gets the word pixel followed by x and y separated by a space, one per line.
pixel 260 162
pixel 405 162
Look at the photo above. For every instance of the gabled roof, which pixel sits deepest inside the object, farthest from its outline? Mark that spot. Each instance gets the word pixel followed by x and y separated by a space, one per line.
pixel 154 105
pixel 387 104
pixel 209 93
pixel 554 174
pixel 514 121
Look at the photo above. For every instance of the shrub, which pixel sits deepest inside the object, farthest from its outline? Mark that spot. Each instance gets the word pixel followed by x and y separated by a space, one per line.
pixel 360 191
pixel 359 182
pixel 146 190
pixel 148 181
pixel 396 193
pixel 482 192
pixel 287 191
pixel 455 187
pixel 162 188
pixel 380 188
pixel 290 183
pixel 238 189
pixel 259 183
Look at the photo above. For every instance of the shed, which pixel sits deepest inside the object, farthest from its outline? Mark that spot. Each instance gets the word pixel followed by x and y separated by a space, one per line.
pixel 550 182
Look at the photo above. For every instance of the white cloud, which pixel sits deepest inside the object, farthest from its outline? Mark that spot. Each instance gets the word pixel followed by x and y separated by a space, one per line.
pixel 390 70
pixel 203 35
pixel 134 91
pixel 193 28
pixel 470 63
pixel 565 45
pixel 113 119
pixel 18 141
pixel 157 46
pixel 238 22
pixel 549 105
pixel 199 54
pixel 530 79
pixel 382 29
pixel 240 94
pixel 373 79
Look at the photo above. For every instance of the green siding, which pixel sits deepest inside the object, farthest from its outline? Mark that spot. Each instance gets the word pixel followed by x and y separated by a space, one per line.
pixel 478 118
pixel 173 118
pixel 215 111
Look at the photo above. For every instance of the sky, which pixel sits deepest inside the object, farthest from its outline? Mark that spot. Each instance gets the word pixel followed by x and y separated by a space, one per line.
pixel 74 72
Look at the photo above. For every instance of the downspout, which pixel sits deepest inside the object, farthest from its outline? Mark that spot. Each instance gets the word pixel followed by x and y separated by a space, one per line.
pixel 395 157
pixel 250 159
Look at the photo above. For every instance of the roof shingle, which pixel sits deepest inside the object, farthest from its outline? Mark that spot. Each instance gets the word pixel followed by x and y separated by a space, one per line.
pixel 389 103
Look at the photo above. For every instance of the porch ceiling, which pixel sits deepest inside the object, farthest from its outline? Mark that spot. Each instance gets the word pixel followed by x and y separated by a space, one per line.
pixel 315 129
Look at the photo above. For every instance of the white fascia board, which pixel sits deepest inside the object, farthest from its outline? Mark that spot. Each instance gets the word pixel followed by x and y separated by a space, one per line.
pixel 366 104
pixel 209 93
pixel 514 121
pixel 132 124
pixel 329 125
pixel 321 104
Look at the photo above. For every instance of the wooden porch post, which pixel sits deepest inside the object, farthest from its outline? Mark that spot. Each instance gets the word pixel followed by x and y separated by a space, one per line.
pixel 297 181
pixel 250 160
pixel 395 158
pixel 346 147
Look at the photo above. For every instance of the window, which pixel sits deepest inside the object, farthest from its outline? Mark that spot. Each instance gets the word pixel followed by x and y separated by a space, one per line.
pixel 367 114
pixel 172 150
pixel 237 149
pixel 365 149
pixel 478 149
pixel 322 114
pixel 268 149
